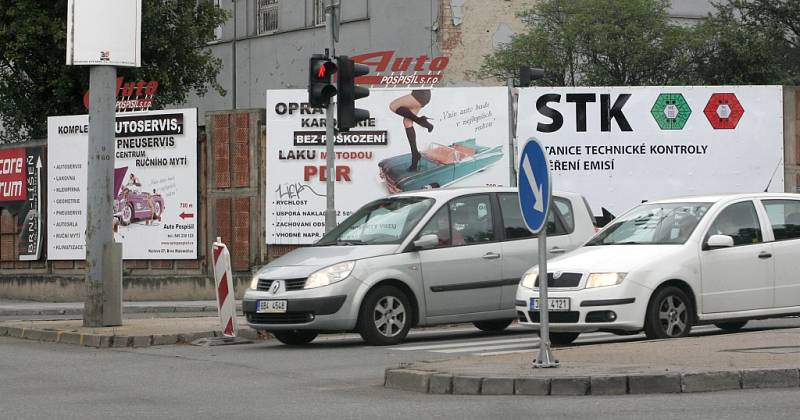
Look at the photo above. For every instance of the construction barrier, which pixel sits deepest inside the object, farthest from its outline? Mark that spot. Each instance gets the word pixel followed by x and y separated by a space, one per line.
pixel 226 304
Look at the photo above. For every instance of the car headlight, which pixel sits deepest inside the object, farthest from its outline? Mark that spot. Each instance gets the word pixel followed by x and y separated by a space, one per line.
pixel 329 275
pixel 254 282
pixel 604 279
pixel 529 279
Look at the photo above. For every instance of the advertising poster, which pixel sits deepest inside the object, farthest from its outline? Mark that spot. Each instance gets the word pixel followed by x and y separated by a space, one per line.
pixel 619 146
pixel 414 139
pixel 102 32
pixel 155 185
pixel 21 177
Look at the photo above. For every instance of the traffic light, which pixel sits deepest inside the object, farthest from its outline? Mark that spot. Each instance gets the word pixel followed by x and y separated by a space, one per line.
pixel 347 113
pixel 320 88
pixel 529 74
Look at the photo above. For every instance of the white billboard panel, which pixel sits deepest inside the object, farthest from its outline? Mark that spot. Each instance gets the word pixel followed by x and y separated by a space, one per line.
pixel 155 185
pixel 621 145
pixel 104 32
pixel 461 137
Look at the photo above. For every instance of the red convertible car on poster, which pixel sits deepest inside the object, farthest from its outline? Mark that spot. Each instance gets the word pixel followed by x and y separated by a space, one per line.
pixel 132 204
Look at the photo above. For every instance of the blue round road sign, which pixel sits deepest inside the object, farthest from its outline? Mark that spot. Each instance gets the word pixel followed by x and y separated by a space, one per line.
pixel 533 181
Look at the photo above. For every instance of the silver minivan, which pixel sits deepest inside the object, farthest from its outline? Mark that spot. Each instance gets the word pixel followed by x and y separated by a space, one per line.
pixel 418 258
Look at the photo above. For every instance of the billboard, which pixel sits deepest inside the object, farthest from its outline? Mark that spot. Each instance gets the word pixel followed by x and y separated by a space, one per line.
pixel 155 185
pixel 21 177
pixel 619 146
pixel 421 138
pixel 102 32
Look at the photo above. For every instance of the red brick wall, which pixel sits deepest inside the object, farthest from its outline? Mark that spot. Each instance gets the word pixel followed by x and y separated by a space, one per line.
pixel 241 152
pixel 240 252
pixel 233 190
pixel 223 225
pixel 222 141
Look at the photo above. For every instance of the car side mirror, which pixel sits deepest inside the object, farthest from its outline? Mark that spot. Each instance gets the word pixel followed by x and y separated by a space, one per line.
pixel 428 241
pixel 719 241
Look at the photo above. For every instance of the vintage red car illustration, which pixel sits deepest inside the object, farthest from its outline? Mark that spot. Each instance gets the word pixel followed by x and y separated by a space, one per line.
pixel 131 204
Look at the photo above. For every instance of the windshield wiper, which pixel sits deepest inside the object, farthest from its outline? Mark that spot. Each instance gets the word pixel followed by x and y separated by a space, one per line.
pixel 350 242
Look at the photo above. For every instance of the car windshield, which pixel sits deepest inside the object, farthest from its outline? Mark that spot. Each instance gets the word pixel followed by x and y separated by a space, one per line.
pixel 385 221
pixel 653 224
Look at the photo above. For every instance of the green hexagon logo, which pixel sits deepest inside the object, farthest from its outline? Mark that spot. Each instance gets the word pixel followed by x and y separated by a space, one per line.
pixel 671 111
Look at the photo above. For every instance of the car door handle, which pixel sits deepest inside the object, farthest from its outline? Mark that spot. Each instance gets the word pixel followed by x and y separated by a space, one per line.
pixel 491 256
pixel 764 255
pixel 557 250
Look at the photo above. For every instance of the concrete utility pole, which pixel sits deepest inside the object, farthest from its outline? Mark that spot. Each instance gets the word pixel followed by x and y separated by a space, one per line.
pixel 103 304
pixel 330 132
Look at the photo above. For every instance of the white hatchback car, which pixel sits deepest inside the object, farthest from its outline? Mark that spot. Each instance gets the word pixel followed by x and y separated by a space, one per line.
pixel 667 265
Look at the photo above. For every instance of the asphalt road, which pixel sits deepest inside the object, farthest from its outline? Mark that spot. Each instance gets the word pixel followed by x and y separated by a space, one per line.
pixel 335 377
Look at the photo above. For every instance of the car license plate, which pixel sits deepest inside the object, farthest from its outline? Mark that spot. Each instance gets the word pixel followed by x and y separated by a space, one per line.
pixel 553 304
pixel 271 306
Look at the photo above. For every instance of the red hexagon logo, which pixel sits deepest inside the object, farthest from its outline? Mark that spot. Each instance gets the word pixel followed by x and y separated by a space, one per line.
pixel 723 111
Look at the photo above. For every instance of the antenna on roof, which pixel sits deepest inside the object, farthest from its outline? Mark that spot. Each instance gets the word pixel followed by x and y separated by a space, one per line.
pixel 773 173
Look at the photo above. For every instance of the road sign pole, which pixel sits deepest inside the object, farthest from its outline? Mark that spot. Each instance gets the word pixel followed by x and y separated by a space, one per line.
pixel 545 358
pixel 535 193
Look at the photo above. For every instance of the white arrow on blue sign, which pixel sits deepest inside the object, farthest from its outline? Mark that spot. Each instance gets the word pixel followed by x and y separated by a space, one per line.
pixel 533 181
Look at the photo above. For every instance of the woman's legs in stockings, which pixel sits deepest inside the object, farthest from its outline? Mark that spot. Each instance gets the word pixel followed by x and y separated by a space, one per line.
pixel 408 107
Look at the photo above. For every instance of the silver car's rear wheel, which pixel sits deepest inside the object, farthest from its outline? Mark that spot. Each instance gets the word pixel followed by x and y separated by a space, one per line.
pixel 385 316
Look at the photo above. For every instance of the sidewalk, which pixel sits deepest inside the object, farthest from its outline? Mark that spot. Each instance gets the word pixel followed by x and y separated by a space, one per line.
pixel 153 324
pixel 753 359
pixel 10 308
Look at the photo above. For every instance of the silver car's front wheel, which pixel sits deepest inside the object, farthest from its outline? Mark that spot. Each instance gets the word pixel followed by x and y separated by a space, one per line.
pixel 385 316
pixel 389 316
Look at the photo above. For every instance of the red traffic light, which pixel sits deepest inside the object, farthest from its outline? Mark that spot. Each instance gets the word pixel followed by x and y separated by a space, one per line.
pixel 320 87
pixel 323 69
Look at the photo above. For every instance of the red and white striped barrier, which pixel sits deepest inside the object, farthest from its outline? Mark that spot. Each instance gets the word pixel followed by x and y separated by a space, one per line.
pixel 226 304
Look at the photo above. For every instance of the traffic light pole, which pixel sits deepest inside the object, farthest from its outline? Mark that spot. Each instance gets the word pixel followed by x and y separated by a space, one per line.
pixel 330 132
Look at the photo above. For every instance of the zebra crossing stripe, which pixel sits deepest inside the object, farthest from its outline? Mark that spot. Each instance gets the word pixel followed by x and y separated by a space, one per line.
pixel 464 344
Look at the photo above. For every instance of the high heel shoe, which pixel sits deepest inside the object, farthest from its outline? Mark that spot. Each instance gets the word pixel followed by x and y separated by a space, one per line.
pixel 425 122
pixel 414 162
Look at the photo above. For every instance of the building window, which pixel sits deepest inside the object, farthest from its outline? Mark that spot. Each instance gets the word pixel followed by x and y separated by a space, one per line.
pixel 218 29
pixel 267 16
pixel 319 12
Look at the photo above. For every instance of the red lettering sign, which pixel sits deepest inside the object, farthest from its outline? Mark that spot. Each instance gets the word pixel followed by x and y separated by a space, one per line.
pixel 12 175
pixel 387 70
pixel 131 96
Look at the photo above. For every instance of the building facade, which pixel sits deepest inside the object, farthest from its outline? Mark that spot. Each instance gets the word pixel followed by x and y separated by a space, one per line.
pixel 266 43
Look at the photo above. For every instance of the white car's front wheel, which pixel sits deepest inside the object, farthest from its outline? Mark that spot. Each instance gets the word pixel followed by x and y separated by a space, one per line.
pixel 669 314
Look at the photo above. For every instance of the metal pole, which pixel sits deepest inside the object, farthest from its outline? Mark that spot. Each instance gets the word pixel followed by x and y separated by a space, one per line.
pixel 100 307
pixel 512 175
pixel 545 358
pixel 330 134
pixel 233 58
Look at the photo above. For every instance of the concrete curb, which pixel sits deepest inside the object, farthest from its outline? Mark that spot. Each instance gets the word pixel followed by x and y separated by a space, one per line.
pixel 431 382
pixel 113 340
pixel 125 310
